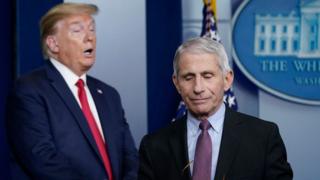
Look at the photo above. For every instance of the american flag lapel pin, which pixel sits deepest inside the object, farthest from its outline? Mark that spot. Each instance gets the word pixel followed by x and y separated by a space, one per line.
pixel 99 91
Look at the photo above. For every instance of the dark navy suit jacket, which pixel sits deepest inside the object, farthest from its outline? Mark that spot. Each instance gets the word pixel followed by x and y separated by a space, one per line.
pixel 49 137
pixel 250 149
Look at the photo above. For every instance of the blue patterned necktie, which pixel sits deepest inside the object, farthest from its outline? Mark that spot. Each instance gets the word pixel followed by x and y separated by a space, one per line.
pixel 203 154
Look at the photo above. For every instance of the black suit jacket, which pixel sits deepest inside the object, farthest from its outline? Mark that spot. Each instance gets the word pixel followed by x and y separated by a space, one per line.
pixel 49 136
pixel 250 149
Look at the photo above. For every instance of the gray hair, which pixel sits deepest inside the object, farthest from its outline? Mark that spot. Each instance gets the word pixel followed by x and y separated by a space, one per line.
pixel 202 45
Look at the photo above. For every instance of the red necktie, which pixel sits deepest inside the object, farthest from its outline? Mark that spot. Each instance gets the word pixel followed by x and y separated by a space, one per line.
pixel 203 154
pixel 93 127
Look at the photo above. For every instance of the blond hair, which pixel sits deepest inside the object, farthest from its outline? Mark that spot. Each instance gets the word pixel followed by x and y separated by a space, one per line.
pixel 57 13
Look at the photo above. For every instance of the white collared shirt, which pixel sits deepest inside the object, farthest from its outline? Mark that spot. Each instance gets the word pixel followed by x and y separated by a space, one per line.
pixel 193 131
pixel 71 79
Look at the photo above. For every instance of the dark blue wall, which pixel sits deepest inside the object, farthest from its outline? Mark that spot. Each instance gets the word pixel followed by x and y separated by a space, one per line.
pixel 6 74
pixel 29 53
pixel 164 35
pixel 21 52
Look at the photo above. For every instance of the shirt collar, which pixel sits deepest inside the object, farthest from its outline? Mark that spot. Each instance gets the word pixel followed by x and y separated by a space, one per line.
pixel 70 77
pixel 216 120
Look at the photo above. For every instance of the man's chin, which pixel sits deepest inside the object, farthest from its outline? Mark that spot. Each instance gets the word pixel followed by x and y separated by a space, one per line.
pixel 88 63
pixel 86 67
pixel 200 113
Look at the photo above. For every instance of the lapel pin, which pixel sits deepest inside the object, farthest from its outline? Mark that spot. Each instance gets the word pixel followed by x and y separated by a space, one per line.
pixel 99 91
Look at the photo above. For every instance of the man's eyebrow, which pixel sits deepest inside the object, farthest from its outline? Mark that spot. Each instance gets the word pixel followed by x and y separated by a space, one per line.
pixel 207 72
pixel 187 74
pixel 76 23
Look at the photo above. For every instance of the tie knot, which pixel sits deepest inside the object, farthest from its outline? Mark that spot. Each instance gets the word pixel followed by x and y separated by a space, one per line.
pixel 204 125
pixel 80 83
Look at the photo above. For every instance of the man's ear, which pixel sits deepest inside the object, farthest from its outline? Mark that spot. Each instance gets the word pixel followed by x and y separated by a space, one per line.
pixel 228 80
pixel 175 82
pixel 52 44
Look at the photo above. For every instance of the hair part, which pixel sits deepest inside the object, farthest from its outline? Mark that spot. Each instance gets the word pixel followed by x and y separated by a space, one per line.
pixel 202 45
pixel 54 15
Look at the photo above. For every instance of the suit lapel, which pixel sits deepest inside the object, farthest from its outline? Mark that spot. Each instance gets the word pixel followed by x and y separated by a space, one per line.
pixel 59 84
pixel 179 146
pixel 104 111
pixel 229 145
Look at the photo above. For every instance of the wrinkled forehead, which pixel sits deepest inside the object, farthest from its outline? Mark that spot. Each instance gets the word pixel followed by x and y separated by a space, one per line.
pixel 76 19
pixel 198 55
pixel 197 59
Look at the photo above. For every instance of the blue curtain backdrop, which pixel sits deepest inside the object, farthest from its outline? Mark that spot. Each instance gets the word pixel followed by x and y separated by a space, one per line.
pixel 21 52
pixel 28 14
pixel 164 35
pixel 6 74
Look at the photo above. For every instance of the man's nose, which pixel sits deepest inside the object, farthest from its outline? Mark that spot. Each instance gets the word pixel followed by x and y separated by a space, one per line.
pixel 198 86
pixel 90 35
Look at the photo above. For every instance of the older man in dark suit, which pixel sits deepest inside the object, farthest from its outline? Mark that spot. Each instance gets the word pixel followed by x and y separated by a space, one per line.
pixel 63 123
pixel 211 141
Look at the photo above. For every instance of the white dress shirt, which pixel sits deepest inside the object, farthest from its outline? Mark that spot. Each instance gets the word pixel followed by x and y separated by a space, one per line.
pixel 71 79
pixel 193 131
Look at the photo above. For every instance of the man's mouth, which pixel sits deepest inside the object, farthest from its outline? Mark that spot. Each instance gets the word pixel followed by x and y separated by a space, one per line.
pixel 199 100
pixel 88 52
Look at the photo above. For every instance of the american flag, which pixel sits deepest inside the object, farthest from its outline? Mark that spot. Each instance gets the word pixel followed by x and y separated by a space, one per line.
pixel 210 29
pixel 209 25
